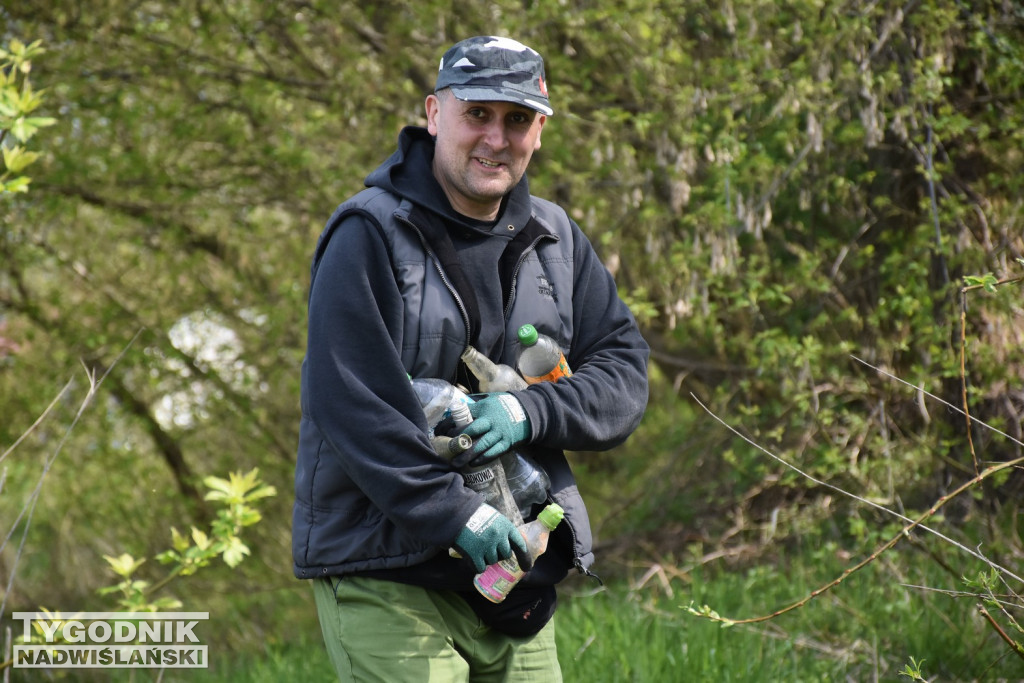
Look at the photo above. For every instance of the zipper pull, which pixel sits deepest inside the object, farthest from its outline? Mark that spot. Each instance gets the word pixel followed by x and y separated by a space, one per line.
pixel 586 572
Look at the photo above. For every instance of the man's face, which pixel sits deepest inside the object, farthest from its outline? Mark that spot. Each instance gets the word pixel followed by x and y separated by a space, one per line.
pixel 483 149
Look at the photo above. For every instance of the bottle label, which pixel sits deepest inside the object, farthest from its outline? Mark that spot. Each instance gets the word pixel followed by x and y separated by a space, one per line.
pixel 495 582
pixel 561 370
pixel 490 482
pixel 480 479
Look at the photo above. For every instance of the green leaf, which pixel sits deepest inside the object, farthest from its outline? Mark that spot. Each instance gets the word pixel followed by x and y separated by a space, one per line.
pixel 166 604
pixel 238 488
pixel 124 564
pixel 16 158
pixel 10 106
pixel 178 540
pixel 248 516
pixel 988 281
pixel 235 551
pixel 201 540
pixel 25 127
pixel 22 129
pixel 221 489
pixel 19 184
pixel 262 492
pixel 168 557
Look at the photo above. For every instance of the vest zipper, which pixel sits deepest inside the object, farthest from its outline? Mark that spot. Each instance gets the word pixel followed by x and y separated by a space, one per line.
pixel 586 572
pixel 577 561
pixel 519 264
pixel 444 278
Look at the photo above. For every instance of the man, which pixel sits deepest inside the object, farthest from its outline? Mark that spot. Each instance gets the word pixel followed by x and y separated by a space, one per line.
pixel 445 249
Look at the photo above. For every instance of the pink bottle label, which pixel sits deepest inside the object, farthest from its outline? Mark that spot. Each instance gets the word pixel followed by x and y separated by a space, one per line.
pixel 498 579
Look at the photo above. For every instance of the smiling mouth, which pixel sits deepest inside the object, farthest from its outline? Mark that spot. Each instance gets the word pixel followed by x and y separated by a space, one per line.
pixel 488 163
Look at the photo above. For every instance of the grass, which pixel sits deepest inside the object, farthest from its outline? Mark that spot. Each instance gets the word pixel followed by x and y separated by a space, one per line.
pixel 867 629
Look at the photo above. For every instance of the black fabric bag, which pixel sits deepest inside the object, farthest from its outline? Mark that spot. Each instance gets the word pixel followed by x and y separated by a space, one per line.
pixel 524 612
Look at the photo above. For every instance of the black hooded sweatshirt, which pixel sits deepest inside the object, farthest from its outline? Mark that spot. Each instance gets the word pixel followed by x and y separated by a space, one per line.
pixel 365 470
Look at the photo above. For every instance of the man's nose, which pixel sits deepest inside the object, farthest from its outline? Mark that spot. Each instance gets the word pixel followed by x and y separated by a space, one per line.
pixel 496 136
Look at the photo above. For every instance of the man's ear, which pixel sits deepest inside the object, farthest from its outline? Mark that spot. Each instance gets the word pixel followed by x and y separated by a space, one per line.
pixel 541 121
pixel 433 108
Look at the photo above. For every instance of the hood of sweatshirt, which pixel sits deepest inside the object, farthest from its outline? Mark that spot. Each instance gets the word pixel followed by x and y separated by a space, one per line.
pixel 408 173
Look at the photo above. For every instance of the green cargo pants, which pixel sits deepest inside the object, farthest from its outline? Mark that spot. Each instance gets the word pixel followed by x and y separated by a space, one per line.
pixel 394 633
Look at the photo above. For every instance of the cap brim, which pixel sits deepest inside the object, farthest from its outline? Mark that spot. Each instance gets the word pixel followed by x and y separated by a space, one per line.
pixel 476 94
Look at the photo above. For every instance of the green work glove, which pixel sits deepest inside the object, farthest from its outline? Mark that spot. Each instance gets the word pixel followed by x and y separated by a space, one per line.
pixel 499 423
pixel 488 537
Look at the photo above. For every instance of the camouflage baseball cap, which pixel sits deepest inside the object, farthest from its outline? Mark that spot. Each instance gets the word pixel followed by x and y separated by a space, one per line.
pixel 489 68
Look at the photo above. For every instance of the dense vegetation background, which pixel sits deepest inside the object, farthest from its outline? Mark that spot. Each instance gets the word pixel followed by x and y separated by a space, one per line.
pixel 781 189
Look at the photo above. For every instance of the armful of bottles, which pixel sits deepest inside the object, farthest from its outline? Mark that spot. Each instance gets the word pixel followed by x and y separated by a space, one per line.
pixel 510 482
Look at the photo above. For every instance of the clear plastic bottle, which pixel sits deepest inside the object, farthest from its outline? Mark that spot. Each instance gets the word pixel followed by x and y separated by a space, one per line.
pixel 539 357
pixel 437 398
pixel 490 482
pixel 527 480
pixel 490 375
pixel 495 582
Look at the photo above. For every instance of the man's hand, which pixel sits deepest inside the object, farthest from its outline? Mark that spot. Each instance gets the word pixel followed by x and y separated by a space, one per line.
pixel 488 537
pixel 499 423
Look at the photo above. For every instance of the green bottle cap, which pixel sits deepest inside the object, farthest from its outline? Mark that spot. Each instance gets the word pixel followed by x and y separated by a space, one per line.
pixel 527 335
pixel 551 516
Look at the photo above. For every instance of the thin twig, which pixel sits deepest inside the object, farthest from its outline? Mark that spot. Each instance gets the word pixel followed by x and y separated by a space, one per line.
pixel 912 524
pixel 963 359
pixel 29 509
pixel 39 420
pixel 963 377
pixel 957 594
pixel 1014 645
pixel 940 400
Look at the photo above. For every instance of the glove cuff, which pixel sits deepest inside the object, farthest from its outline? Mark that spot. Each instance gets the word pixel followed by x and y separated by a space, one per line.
pixel 516 415
pixel 483 518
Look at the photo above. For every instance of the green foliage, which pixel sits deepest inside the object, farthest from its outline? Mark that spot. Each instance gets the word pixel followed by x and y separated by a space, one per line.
pixel 186 556
pixel 913 670
pixel 235 495
pixel 17 101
